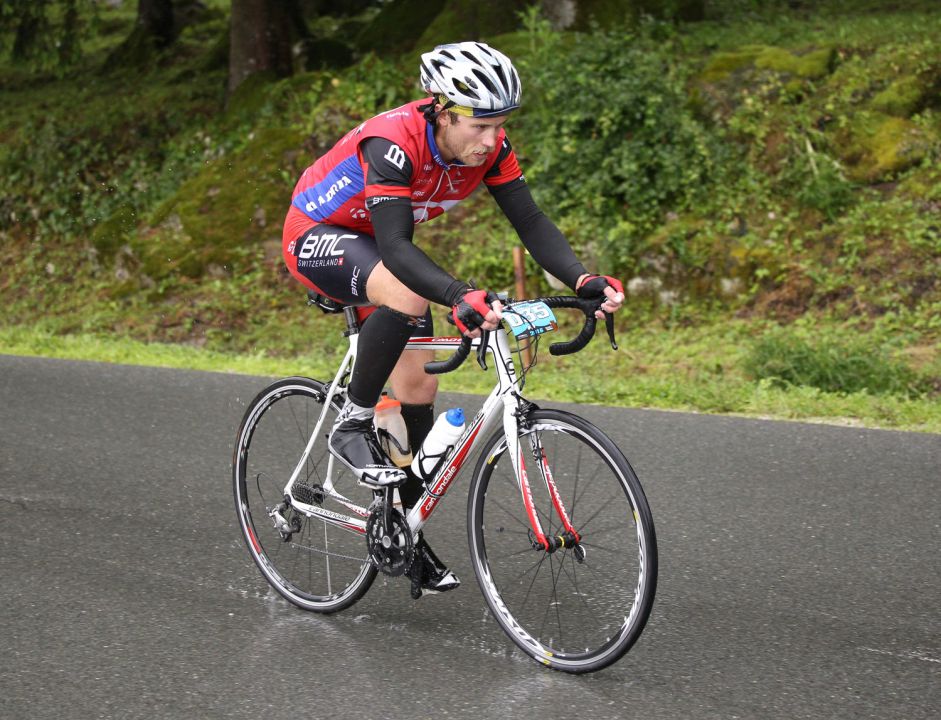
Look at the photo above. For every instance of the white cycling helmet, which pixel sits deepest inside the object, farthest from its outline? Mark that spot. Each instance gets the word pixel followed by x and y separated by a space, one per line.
pixel 475 79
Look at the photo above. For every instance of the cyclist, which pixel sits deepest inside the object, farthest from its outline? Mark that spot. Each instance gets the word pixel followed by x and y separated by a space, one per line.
pixel 348 236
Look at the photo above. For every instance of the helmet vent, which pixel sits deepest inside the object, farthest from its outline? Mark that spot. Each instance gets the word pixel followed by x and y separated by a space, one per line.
pixel 487 83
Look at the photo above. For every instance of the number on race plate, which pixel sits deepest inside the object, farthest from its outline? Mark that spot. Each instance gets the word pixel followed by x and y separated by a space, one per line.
pixel 527 319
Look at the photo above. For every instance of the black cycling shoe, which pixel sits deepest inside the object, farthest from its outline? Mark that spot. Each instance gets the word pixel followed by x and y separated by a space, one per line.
pixel 355 444
pixel 430 575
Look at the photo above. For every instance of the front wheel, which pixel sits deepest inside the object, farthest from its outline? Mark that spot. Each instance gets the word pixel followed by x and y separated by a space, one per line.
pixel 580 607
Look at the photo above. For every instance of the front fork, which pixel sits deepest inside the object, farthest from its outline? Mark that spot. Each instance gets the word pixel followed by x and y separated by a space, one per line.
pixel 516 417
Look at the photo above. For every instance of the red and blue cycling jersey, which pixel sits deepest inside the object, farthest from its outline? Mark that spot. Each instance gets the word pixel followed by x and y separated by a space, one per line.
pixel 341 186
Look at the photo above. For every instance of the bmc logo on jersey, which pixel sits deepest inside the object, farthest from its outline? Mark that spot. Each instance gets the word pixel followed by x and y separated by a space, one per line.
pixel 396 156
pixel 324 245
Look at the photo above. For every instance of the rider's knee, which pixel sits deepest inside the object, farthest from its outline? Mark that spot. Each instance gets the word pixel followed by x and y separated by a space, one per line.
pixel 424 389
pixel 406 302
pixel 411 383
pixel 383 288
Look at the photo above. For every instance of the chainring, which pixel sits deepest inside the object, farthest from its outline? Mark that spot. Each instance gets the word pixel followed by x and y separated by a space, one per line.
pixel 391 553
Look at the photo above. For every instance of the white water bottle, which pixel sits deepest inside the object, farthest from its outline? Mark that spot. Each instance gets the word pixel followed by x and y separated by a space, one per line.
pixel 444 434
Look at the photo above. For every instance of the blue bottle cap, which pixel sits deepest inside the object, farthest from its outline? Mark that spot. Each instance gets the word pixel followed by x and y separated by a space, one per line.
pixel 455 416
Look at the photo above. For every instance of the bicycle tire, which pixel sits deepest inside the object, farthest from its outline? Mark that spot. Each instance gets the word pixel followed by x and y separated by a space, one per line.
pixel 320 567
pixel 574 616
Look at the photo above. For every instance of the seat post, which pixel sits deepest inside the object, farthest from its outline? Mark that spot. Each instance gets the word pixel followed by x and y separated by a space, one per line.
pixel 352 320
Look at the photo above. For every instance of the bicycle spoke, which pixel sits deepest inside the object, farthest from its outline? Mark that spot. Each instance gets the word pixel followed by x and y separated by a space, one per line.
pixel 507 556
pixel 509 513
pixel 578 593
pixel 538 566
pixel 555 597
pixel 314 550
pixel 604 506
pixel 620 529
pixel 595 546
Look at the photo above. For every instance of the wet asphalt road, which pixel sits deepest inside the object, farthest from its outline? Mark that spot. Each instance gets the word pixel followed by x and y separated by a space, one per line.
pixel 800 574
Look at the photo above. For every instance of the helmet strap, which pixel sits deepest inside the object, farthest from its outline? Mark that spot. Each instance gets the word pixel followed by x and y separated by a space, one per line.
pixel 429 110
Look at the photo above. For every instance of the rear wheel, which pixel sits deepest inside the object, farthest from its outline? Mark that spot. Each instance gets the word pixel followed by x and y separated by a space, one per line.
pixel 582 606
pixel 312 563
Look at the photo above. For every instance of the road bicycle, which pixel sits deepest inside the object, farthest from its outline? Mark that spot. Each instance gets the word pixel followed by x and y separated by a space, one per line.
pixel 561 536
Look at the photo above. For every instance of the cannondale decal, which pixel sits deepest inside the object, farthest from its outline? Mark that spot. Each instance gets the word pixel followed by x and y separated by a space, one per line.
pixel 396 156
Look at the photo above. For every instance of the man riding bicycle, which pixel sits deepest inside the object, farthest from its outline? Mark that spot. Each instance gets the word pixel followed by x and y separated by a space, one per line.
pixel 348 236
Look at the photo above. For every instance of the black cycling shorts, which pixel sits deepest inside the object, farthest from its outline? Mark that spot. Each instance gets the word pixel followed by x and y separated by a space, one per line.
pixel 336 262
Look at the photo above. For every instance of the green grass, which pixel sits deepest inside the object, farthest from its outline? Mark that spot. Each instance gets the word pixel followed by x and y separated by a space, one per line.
pixel 695 370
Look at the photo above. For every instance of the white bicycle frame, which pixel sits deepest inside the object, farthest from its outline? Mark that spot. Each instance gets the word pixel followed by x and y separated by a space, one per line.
pixel 506 393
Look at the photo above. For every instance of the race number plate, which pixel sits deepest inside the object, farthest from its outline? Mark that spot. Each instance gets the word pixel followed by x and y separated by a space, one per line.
pixel 527 319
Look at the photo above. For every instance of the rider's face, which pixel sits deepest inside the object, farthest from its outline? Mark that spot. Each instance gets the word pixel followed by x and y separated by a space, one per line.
pixel 468 139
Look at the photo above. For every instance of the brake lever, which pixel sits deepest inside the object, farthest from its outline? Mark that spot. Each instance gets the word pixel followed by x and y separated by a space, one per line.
pixel 482 349
pixel 609 326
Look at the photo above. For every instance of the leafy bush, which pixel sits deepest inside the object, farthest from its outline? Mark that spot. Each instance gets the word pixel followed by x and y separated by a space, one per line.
pixel 787 359
pixel 609 137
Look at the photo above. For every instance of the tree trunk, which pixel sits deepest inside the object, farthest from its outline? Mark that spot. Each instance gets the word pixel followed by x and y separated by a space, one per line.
pixel 260 35
pixel 584 14
pixel 154 30
pixel 155 19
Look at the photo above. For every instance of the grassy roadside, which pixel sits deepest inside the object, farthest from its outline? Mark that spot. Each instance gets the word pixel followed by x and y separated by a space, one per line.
pixel 688 369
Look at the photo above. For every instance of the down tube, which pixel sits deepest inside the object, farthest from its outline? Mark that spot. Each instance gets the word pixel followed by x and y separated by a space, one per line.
pixel 436 489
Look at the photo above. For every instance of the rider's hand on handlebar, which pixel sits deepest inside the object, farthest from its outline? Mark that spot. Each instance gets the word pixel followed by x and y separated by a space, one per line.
pixel 602 286
pixel 477 310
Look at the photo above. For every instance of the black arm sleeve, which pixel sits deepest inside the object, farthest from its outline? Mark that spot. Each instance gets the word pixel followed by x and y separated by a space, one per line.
pixel 386 163
pixel 394 224
pixel 542 238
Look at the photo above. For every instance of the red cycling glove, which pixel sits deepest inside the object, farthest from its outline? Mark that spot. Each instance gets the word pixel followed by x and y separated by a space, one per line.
pixel 469 312
pixel 593 286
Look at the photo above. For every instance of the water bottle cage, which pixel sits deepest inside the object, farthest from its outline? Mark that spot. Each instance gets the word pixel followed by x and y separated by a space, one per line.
pixel 389 438
pixel 439 461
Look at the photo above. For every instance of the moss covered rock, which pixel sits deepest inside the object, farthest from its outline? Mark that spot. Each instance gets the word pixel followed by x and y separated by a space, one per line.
pixel 876 146
pixel 906 95
pixel 110 235
pixel 228 210
pixel 461 20
pixel 249 97
pixel 398 26
pixel 811 64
